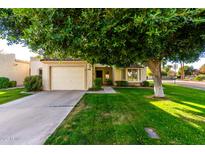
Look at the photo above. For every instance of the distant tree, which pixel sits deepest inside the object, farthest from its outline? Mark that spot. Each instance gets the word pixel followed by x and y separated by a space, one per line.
pixel 171 74
pixel 149 72
pixel 167 68
pixel 164 73
pixel 202 69
pixel 196 72
pixel 188 70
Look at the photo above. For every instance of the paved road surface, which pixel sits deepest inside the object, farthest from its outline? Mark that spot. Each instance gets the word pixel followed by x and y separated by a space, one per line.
pixel 191 84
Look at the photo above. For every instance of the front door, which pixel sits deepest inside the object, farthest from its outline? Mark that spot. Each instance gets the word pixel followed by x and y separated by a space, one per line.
pixel 99 74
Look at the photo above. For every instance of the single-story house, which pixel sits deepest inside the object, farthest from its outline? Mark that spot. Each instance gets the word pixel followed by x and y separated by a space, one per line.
pixel 76 74
pixel 13 68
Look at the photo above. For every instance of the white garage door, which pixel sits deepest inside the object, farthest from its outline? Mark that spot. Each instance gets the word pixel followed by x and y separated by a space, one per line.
pixel 67 78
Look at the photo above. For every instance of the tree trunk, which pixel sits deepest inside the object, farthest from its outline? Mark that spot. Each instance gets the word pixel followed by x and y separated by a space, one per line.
pixel 182 70
pixel 155 67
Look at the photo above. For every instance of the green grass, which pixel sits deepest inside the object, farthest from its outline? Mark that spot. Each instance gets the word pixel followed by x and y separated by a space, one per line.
pixel 121 118
pixel 10 95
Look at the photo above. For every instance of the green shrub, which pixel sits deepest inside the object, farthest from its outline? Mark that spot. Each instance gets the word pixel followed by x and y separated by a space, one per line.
pixel 4 82
pixel 108 81
pixel 33 83
pixel 94 89
pixel 121 83
pixel 12 83
pixel 200 77
pixel 163 73
pixel 145 84
pixel 97 84
pixel 151 84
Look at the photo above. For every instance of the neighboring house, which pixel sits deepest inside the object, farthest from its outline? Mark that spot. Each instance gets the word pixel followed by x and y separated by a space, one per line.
pixel 13 68
pixel 75 74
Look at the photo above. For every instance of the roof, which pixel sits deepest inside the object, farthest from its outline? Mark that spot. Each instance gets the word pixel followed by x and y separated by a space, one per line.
pixel 78 59
pixel 65 59
pixel 21 61
pixel 135 66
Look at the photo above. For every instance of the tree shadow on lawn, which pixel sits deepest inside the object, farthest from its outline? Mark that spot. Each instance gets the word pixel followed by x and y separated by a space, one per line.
pixel 172 129
pixel 191 100
pixel 121 119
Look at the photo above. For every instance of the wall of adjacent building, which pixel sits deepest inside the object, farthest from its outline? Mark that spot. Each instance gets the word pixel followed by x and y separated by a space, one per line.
pixel 14 69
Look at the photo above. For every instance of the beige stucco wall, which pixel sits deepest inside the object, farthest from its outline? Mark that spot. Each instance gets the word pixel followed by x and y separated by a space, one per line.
pixel 35 65
pixel 89 76
pixel 116 74
pixel 14 69
pixel 46 77
pixel 47 66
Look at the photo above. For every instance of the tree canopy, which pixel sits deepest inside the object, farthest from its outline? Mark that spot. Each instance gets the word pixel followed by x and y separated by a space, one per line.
pixel 110 36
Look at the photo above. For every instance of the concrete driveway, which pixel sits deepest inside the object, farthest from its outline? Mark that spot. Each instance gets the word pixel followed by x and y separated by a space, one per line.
pixel 30 120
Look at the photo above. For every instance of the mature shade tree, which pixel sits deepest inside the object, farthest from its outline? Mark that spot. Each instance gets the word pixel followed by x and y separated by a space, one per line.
pixel 110 36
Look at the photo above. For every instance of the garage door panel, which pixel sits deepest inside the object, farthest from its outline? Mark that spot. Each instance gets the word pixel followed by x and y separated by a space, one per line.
pixel 67 78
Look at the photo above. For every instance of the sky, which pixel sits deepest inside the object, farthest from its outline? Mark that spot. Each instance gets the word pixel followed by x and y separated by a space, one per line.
pixel 196 64
pixel 23 53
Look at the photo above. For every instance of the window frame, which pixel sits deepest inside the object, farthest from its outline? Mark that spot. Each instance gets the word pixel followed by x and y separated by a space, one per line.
pixel 139 74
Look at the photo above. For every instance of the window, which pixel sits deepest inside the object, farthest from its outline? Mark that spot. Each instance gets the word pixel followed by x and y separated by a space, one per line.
pixel 107 75
pixel 40 71
pixel 132 74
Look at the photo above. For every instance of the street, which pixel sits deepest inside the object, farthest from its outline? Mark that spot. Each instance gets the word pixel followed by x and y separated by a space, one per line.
pixel 191 84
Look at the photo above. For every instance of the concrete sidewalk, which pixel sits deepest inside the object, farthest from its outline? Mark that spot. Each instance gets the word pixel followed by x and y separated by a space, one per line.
pixel 105 90
pixel 30 120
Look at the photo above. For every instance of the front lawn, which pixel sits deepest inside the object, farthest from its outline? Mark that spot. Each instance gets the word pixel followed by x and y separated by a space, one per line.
pixel 121 118
pixel 11 94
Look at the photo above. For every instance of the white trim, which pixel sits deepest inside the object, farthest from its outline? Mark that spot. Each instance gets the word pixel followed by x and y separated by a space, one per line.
pixel 138 76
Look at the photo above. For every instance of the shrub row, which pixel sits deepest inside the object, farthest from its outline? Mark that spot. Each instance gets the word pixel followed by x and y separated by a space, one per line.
pixel 31 83
pixel 108 82
pixel 97 84
pixel 145 84
pixel 12 83
pixel 200 77
pixel 6 83
pixel 121 83
pixel 125 83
